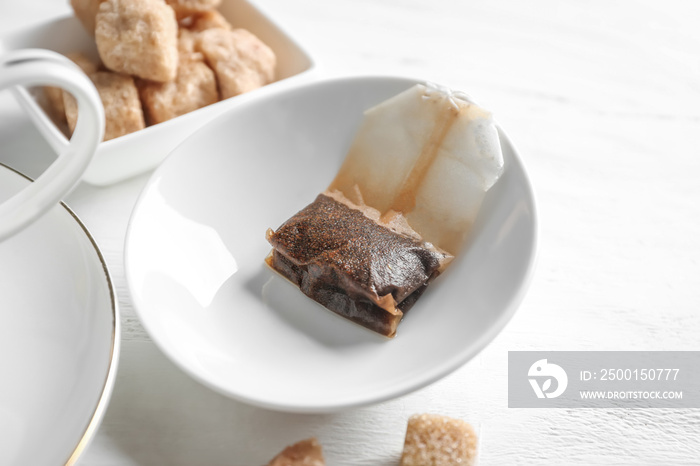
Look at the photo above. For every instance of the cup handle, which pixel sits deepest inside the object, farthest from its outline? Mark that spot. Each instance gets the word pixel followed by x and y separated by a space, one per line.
pixel 32 67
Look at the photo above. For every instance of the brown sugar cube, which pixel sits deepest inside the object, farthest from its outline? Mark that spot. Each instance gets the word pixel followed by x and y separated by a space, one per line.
pixel 85 11
pixel 255 54
pixel 54 95
pixel 54 102
pixel 433 440
pixel 193 88
pixel 86 64
pixel 305 453
pixel 208 20
pixel 184 8
pixel 187 45
pixel 138 37
pixel 241 61
pixel 120 98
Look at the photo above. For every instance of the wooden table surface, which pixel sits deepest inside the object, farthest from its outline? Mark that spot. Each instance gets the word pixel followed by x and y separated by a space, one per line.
pixel 603 101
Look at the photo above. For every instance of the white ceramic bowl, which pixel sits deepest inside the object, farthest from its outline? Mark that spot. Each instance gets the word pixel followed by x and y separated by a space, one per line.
pixel 143 150
pixel 59 337
pixel 196 244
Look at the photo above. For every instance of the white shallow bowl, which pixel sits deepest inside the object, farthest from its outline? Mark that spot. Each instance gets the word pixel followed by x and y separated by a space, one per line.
pixel 59 337
pixel 196 244
pixel 135 153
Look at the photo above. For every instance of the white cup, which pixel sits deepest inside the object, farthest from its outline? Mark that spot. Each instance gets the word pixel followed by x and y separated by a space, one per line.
pixel 35 67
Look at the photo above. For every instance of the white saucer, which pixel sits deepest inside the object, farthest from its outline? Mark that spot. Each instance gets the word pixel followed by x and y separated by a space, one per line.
pixel 196 244
pixel 59 337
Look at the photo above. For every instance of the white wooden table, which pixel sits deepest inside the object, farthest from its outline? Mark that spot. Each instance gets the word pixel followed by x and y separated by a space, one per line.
pixel 602 99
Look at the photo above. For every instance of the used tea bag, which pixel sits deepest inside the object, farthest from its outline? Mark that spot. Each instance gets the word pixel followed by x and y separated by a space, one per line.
pixel 398 210
pixel 428 153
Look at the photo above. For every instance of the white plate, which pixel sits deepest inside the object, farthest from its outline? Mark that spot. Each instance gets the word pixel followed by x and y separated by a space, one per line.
pixel 143 150
pixel 196 244
pixel 59 337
